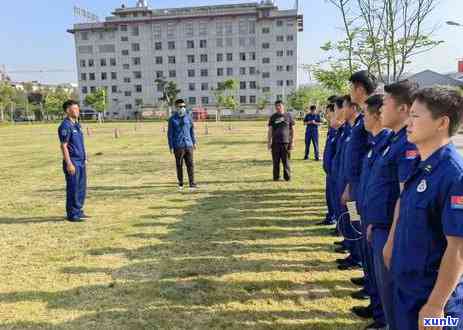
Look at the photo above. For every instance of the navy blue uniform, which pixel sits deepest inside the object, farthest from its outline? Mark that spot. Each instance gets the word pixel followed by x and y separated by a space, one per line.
pixel 376 144
pixel 431 208
pixel 393 166
pixel 311 134
pixel 328 154
pixel 76 185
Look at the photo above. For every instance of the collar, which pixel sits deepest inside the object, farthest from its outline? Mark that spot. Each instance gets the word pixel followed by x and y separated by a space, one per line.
pixel 358 119
pixel 400 134
pixel 436 158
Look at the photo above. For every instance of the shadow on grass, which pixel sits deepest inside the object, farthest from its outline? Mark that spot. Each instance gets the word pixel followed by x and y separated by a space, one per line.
pixel 30 220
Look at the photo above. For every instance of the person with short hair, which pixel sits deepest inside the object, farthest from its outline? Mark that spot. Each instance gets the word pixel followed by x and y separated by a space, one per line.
pixel 74 162
pixel 280 140
pixel 312 120
pixel 182 142
pixel 427 249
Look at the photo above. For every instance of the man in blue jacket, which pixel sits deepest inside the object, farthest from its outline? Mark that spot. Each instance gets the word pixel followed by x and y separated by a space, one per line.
pixel 182 142
pixel 312 120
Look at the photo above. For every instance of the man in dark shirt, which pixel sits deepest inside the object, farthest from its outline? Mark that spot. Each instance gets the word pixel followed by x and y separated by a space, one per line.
pixel 182 142
pixel 312 120
pixel 74 159
pixel 280 140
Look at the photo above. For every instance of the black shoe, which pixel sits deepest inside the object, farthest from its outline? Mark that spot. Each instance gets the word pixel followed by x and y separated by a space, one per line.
pixel 276 180
pixel 349 266
pixel 306 158
pixel 363 312
pixel 376 326
pixel 75 220
pixel 340 250
pixel 360 295
pixel 341 243
pixel 193 187
pixel 317 159
pixel 360 281
pixel 344 260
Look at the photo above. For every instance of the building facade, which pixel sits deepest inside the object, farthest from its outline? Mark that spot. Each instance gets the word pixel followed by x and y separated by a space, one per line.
pixel 255 44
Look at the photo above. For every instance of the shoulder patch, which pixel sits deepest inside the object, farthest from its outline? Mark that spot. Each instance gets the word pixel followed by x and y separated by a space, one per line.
pixel 456 202
pixel 411 154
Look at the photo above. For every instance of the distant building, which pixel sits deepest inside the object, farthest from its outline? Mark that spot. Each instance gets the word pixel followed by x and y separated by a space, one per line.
pixel 255 44
pixel 429 78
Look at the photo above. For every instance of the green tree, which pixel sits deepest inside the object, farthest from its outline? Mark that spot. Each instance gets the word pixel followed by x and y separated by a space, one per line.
pixel 97 100
pixel 335 78
pixel 7 95
pixel 225 96
pixel 264 101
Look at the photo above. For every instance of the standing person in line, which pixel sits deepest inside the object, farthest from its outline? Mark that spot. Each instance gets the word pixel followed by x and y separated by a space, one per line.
pixel 312 120
pixel 182 142
pixel 74 162
pixel 280 140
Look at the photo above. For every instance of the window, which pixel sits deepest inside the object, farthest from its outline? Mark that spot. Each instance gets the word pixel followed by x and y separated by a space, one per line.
pixel 290 38
pixel 113 76
pixel 159 89
pixel 126 66
pixel 242 85
pixel 136 60
pixel 280 53
pixel 85 49
pixel 252 42
pixel 124 39
pixel 171 59
pixel 189 29
pixel 289 53
pixel 91 76
pixel 280 97
pixel 219 28
pixel 219 42
pixel 252 70
pixel 138 88
pixel 128 107
pixel 91 63
pixel 203 29
pixel 127 93
pixel 229 71
pixel 243 27
pixel 280 82
pixel 265 45
pixel 220 72
pixel 125 52
pixel 203 44
pixel 243 56
pixel 190 44
pixel 135 47
pixel 157 31
pixel 219 57
pixel 242 42
pixel 191 87
pixel 137 74
pixel 107 49
pixel 204 87
pixel 171 45
pixel 123 28
pixel 171 29
pixel 191 73
pixel 229 28
pixel 266 60
pixel 280 38
pixel 289 68
pixel 265 30
pixel 103 62
pixel 84 35
pixel 191 58
pixel 242 71
pixel 158 59
pixel 289 82
pixel 83 76
pixel 279 23
pixel 252 27
pixel 279 68
pixel 112 61
pixel 252 56
pixel 204 72
pixel 204 100
pixel 158 45
pixel 204 58
pixel 138 102
pixel 82 63
pixel 92 89
pixel 230 57
pixel 84 90
pixel 135 31
pixel 242 99
pixel 159 74
pixel 192 100
pixel 266 89
pixel 252 85
pixel 266 75
pixel 127 80
pixel 229 42
pixel 172 74
pixel 252 99
pixel 114 89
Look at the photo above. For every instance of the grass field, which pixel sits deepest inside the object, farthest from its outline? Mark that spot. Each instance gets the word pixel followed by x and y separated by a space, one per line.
pixel 243 252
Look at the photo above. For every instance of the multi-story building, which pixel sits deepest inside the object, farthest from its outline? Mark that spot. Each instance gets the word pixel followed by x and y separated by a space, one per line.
pixel 197 47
